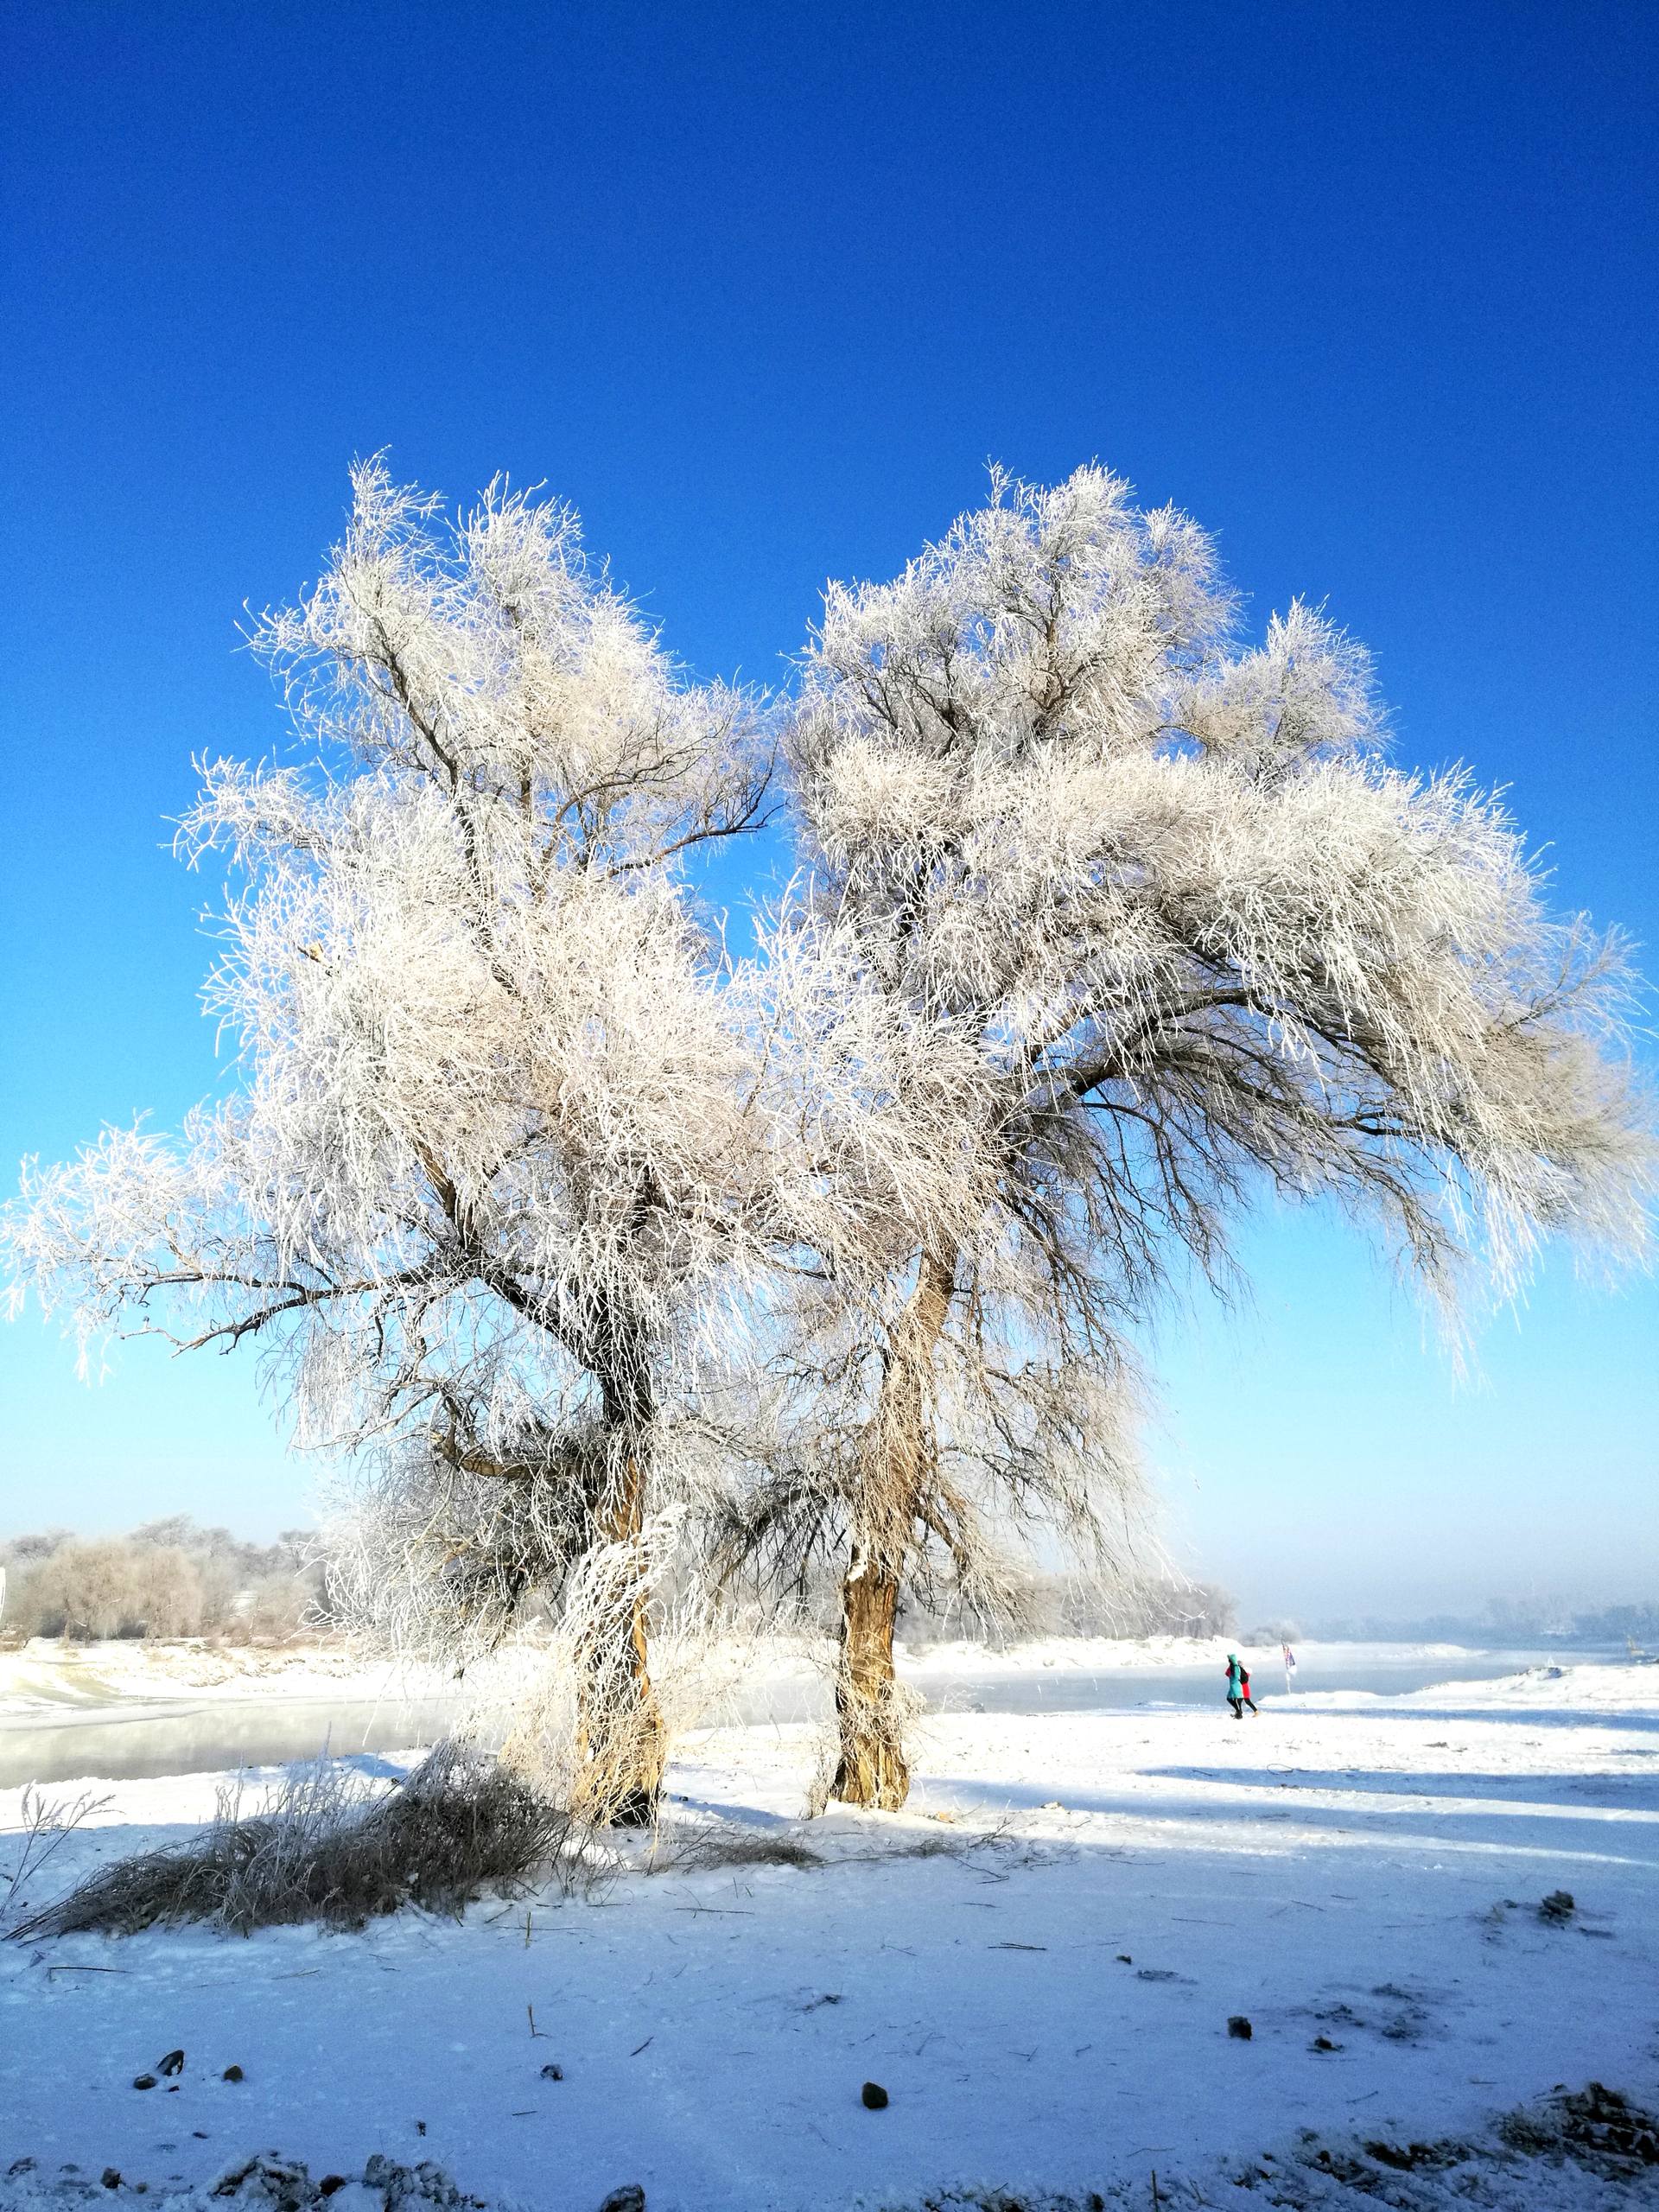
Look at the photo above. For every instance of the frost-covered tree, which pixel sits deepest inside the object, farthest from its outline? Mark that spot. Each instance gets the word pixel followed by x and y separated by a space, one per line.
pixel 1192 936
pixel 483 1181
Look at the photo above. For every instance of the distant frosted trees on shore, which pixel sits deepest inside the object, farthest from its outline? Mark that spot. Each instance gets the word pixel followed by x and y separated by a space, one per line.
pixel 167 1578
pixel 613 1267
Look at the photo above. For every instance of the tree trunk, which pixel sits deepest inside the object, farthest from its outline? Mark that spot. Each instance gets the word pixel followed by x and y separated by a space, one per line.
pixel 872 1769
pixel 622 1738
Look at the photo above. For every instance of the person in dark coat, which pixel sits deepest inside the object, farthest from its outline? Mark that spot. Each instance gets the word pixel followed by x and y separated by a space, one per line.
pixel 1244 1691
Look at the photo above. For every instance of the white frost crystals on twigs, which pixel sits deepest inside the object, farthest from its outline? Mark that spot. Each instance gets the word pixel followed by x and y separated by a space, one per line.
pixel 487 1190
pixel 44 1825
pixel 616 1271
pixel 1161 875
pixel 1180 933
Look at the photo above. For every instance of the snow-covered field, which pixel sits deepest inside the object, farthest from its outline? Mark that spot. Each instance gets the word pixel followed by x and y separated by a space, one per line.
pixel 1037 1961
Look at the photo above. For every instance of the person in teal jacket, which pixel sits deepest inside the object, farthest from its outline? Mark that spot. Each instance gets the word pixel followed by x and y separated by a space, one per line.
pixel 1234 1686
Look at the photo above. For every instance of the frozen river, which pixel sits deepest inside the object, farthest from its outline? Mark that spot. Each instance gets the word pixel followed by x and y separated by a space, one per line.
pixel 1389 1673
pixel 130 1740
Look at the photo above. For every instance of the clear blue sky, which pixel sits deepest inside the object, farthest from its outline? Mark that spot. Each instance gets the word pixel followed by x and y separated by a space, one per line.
pixel 1369 291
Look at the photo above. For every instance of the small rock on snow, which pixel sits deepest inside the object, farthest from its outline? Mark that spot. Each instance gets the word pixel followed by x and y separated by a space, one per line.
pixel 232 2073
pixel 873 2096
pixel 631 2198
pixel 1239 2026
pixel 143 2080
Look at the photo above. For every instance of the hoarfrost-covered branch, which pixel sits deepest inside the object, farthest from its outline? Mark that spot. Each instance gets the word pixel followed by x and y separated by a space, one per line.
pixel 1179 930
pixel 487 1189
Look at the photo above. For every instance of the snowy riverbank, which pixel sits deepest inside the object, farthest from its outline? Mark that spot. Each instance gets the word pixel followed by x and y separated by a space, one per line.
pixel 1046 1997
pixel 50 1680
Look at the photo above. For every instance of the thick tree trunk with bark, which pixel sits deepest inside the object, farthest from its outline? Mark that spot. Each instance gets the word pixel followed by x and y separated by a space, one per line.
pixel 623 1739
pixel 872 1769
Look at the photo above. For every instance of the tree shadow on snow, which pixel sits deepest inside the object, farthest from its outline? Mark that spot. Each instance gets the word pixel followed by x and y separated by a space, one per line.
pixel 1551 1791
pixel 1616 1720
pixel 1557 1829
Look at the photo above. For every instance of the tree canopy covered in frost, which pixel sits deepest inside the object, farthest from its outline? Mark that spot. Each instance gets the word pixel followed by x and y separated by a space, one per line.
pixel 1195 937
pixel 570 1233
pixel 487 1160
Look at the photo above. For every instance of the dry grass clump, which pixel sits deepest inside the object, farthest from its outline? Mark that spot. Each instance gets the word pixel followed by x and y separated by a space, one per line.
pixel 331 1848
pixel 1599 2127
pixel 692 1851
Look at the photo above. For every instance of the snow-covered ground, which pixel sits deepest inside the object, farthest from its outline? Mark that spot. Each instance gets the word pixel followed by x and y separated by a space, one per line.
pixel 50 1680
pixel 1045 1995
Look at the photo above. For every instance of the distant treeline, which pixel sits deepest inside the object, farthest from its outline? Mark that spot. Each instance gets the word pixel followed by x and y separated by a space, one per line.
pixel 172 1579
pixel 1510 1620
pixel 1639 1624
pixel 167 1579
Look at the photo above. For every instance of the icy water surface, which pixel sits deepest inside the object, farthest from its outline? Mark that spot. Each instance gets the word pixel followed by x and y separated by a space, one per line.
pixel 1385 1674
pixel 128 1741
pixel 1076 1689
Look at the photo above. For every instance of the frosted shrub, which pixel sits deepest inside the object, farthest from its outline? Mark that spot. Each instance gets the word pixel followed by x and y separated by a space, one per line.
pixel 84 1590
